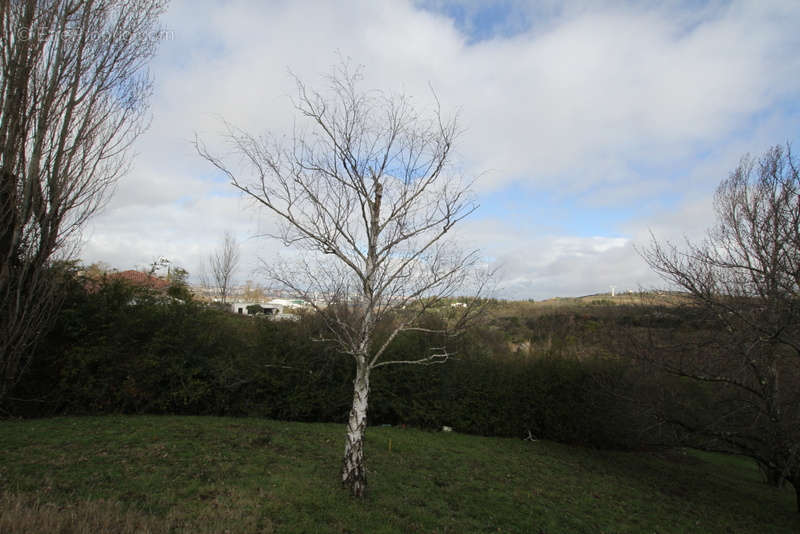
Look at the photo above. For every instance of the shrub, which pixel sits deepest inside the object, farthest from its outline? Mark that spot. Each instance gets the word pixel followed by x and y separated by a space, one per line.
pixel 119 349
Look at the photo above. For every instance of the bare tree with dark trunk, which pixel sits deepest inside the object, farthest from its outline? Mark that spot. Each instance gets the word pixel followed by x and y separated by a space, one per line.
pixel 366 199
pixel 744 281
pixel 222 265
pixel 73 97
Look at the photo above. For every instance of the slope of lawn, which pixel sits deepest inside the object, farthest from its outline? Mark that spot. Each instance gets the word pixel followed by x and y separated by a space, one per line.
pixel 203 474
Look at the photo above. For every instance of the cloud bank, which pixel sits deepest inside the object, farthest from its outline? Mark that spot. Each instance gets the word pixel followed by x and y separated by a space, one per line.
pixel 612 118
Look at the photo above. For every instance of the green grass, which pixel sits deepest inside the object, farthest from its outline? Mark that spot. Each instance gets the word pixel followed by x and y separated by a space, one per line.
pixel 203 474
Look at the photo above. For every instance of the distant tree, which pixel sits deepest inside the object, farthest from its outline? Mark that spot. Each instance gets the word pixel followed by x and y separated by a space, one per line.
pixel 367 198
pixel 222 265
pixel 162 270
pixel 97 270
pixel 178 275
pixel 744 282
pixel 73 97
pixel 178 279
pixel 252 291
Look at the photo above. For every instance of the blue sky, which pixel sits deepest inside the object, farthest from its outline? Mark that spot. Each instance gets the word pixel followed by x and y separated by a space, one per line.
pixel 587 124
pixel 481 21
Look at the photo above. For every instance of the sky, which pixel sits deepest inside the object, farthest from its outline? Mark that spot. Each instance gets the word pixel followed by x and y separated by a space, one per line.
pixel 587 125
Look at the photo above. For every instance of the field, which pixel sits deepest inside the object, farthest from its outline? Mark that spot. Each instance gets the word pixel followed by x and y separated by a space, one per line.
pixel 206 474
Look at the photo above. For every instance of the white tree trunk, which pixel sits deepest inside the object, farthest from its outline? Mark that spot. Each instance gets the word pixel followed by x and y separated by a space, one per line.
pixel 354 473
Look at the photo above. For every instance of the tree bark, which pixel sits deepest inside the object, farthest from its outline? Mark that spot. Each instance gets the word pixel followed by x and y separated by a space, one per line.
pixel 354 473
pixel 796 485
pixel 773 476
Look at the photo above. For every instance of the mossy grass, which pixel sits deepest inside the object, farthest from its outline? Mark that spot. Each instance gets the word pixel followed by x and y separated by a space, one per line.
pixel 210 474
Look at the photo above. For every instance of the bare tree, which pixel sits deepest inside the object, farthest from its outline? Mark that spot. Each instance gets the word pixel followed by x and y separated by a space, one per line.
pixel 744 280
pixel 366 198
pixel 222 264
pixel 73 95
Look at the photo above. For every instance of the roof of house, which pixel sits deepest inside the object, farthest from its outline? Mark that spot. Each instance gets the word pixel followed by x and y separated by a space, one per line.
pixel 140 279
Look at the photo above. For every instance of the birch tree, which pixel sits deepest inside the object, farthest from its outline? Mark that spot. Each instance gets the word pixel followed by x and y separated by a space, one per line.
pixel 73 98
pixel 366 196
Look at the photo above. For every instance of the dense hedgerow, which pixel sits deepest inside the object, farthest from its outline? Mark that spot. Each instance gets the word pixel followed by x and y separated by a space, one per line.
pixel 119 349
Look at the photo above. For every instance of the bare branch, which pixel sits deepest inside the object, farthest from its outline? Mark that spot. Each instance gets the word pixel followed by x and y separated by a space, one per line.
pixel 222 265
pixel 73 98
pixel 368 197
pixel 744 279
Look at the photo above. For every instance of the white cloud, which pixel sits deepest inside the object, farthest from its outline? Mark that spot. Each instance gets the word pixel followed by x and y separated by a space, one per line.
pixel 615 103
pixel 545 266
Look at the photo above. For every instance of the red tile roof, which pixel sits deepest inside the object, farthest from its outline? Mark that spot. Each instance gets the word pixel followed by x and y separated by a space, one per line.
pixel 140 279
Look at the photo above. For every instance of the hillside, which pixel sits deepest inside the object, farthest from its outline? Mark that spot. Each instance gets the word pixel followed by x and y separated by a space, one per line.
pixel 203 474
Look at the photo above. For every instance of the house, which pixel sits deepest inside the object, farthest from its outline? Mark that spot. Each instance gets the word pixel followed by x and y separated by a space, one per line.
pixel 92 282
pixel 274 309
pixel 140 279
pixel 288 303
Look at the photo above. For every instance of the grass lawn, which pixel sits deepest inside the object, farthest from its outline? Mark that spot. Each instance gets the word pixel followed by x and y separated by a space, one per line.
pixel 205 474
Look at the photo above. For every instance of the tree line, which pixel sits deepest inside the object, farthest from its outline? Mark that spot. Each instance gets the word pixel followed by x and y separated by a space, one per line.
pixel 125 349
